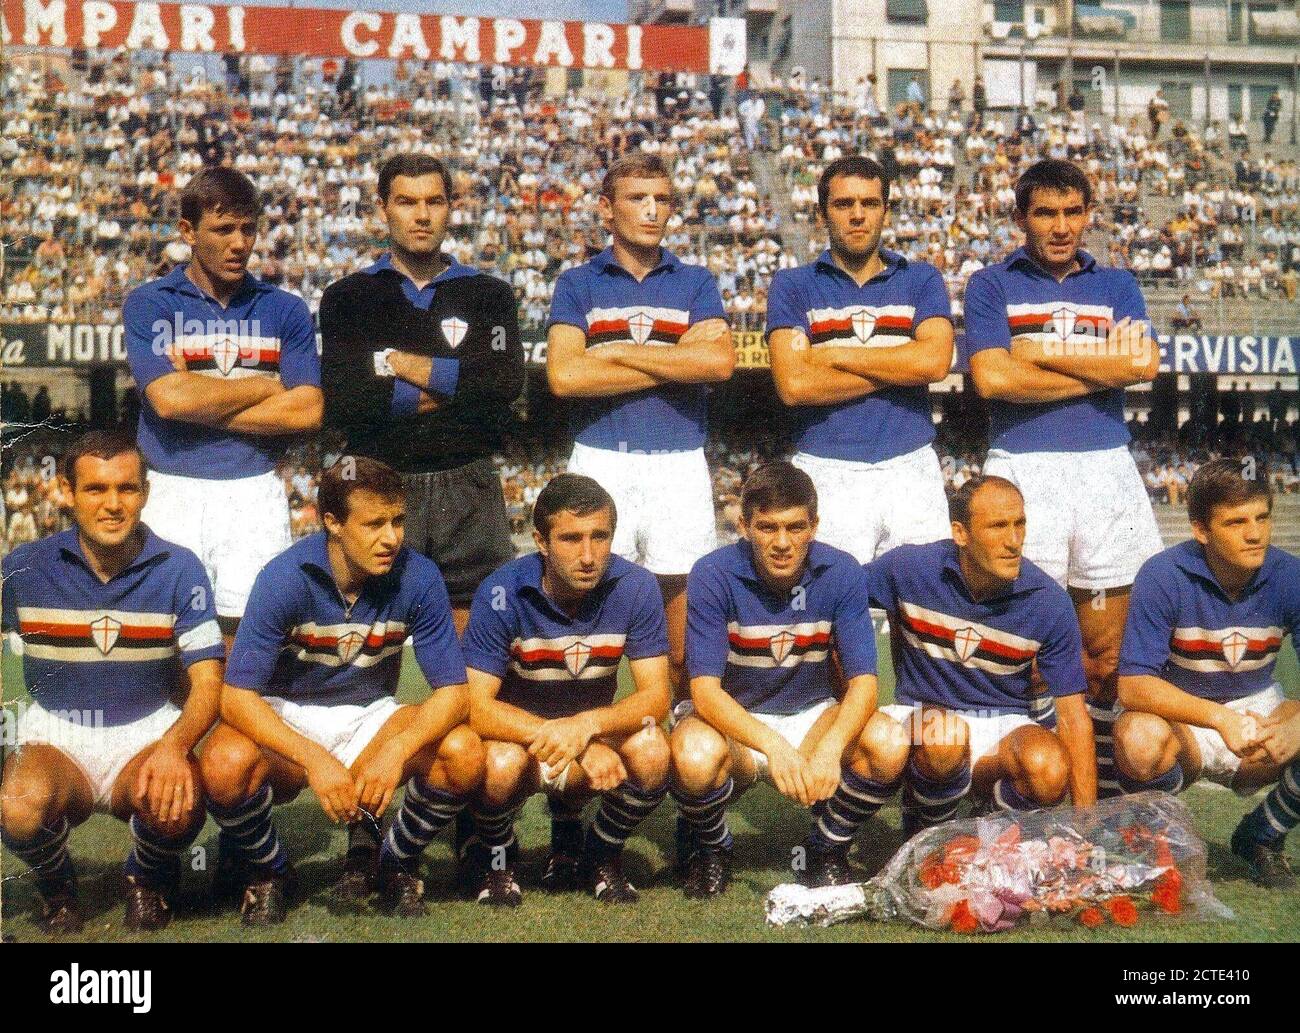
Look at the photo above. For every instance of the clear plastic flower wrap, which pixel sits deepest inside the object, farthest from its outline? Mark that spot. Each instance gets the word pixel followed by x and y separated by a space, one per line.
pixel 1124 861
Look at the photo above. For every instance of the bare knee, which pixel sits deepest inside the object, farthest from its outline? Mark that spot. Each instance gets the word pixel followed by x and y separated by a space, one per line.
pixel 504 766
pixel 1144 745
pixel 699 756
pixel 647 757
pixel 883 748
pixel 1046 768
pixel 27 805
pixel 943 748
pixel 231 767
pixel 462 757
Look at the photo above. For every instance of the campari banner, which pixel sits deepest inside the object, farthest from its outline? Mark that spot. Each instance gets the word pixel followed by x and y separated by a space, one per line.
pixel 718 47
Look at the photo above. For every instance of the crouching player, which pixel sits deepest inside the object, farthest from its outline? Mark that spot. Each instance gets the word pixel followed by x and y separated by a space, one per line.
pixel 113 621
pixel 970 619
pixel 545 637
pixel 762 618
pixel 309 701
pixel 1196 679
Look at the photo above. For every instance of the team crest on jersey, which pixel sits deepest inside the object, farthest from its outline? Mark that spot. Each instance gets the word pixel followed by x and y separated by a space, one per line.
pixel 576 657
pixel 965 641
pixel 1063 322
pixel 104 631
pixel 781 643
pixel 639 325
pixel 349 645
pixel 225 354
pixel 1234 648
pixel 453 330
pixel 864 322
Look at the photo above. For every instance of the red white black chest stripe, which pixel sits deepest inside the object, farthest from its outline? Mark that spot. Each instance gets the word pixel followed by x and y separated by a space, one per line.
pixel 778 645
pixel 567 658
pixel 640 324
pixel 93 636
pixel 965 642
pixel 1224 650
pixel 361 645
pixel 230 356
pixel 1059 321
pixel 861 326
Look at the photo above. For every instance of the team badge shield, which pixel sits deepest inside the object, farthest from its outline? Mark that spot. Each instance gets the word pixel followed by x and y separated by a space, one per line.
pixel 1063 321
pixel 225 354
pixel 781 643
pixel 966 641
pixel 453 330
pixel 576 657
pixel 104 631
pixel 639 326
pixel 864 322
pixel 1234 648
pixel 349 645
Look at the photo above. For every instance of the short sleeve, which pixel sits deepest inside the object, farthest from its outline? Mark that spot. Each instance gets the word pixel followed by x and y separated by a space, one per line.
pixel 1149 626
pixel 1060 657
pixel 879 582
pixel 931 298
pixel 707 302
pixel 647 631
pixel 198 636
pixel 148 331
pixel 262 633
pixel 855 634
pixel 433 635
pixel 566 304
pixel 707 645
pixel 984 310
pixel 1129 301
pixel 299 358
pixel 785 309
pixel 490 633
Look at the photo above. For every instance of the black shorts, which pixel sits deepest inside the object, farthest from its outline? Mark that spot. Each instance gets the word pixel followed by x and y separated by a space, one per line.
pixel 457 518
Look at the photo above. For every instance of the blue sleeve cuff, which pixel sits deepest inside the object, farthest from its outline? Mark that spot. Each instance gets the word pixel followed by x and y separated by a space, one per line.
pixel 406 398
pixel 444 376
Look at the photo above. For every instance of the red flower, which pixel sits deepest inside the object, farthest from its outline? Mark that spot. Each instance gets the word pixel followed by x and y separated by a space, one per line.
pixel 962 919
pixel 1091 917
pixel 963 848
pixel 1122 911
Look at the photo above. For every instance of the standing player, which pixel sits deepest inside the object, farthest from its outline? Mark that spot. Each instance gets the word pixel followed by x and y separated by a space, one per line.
pixel 763 616
pixel 635 335
pixel 224 364
pixel 112 620
pixel 855 337
pixel 1196 680
pixel 970 621
pixel 543 647
pixel 1054 338
pixel 309 699
pixel 421 359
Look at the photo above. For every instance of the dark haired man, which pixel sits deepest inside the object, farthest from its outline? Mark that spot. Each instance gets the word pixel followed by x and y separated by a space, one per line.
pixel 421 359
pixel 855 338
pixel 309 698
pixel 224 365
pixel 1196 673
pixel 634 336
pixel 763 617
pixel 543 647
pixel 971 621
pixel 113 621
pixel 1053 340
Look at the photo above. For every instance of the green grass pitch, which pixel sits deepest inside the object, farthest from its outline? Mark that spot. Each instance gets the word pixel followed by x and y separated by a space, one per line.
pixel 765 826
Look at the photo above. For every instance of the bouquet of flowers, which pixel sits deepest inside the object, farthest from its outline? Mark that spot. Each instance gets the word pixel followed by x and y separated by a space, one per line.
pixel 1123 861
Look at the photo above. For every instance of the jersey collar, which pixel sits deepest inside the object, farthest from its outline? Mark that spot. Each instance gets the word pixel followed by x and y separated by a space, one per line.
pixel 530 582
pixel 606 263
pixel 893 262
pixel 1020 258
pixel 154 548
pixel 177 281
pixel 454 270
pixel 952 570
pixel 1190 558
pixel 740 562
